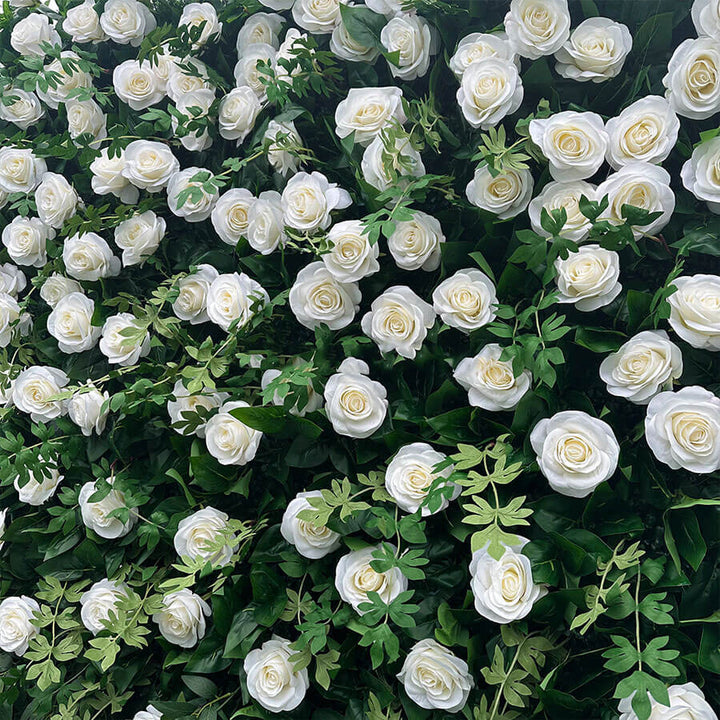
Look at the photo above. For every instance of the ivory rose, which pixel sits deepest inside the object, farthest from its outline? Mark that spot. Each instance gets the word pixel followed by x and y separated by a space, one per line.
pixel 367 111
pixel 537 27
pixel 311 541
pixel 490 89
pixel 695 310
pixel 693 78
pixel 415 244
pixel 198 535
pixel 701 173
pixel 182 618
pixel 567 196
pixel 506 194
pixel 229 440
pixel 588 278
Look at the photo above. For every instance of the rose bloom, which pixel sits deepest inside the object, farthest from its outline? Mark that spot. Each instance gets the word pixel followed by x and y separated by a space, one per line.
pixel 194 141
pixel 344 46
pixel 183 86
pixel 537 27
pixel 406 162
pixel 185 402
pixel 137 85
pixel 588 278
pixel 701 173
pixel 260 27
pixel 29 33
pixel 683 429
pixel 70 323
pixel 25 241
pixel 196 208
pixel 85 409
pixel 11 319
pixel 12 279
pixel 228 440
pixel 490 382
pixel 107 178
pixel 65 81
pixel 182 618
pixel 556 196
pixel 367 111
pixel 96 513
pixel 308 199
pixel 198 533
pixel 196 14
pixel 33 389
pixel 265 228
pixel 230 215
pixel 139 237
pixel 25 110
pixel 40 486
pixel 504 589
pixel 695 310
pixel 86 117
pixel 16 628
pixel 99 601
pixel 247 73
pixel 149 165
pixel 352 256
pixel 466 300
pixel 234 297
pixel 506 194
pixel 687 702
pixel 20 170
pixel 414 39
pixel 82 23
pixel 575 451
pixel 693 78
pixel 119 349
pixel 311 541
pixel 314 400
pixel 237 114
pixel 281 138
pixel 127 21
pixel 706 18
pixel 89 257
pixel 479 46
pixel 317 16
pixel 415 244
pixel 191 303
pixel 150 713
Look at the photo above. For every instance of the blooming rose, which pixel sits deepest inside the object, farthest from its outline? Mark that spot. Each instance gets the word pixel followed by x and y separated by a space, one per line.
pixel 198 534
pixel 107 177
pixel 191 303
pixel 149 165
pixel 183 85
pixel 197 14
pixel 66 79
pixel 434 678
pixel 56 200
pixel 537 27
pixel 25 109
pixel 354 578
pixel 86 117
pixel 687 702
pixel 489 90
pixel 311 541
pixel 557 195
pixel 202 100
pixel 385 7
pixel 693 78
pixel 317 297
pixel 367 111
pixel 199 205
pixel 149 713
pixel 70 323
pixel 89 257
pixel 25 240
pixel 237 114
pixel 230 441
pixel 127 21
pixel 573 142
pixel 12 279
pixel 247 73
pixel 414 39
pixel 645 131
pixel 410 475
pixel 480 46
pixel 11 319
pixel 695 310
pixel 99 601
pixel 701 173
pixel 233 297
pixel 121 349
pixel 642 367
pixel 506 194
pixel 308 199
pixel 415 244
pixel 504 589
pixel 137 85
pixel 85 409
pixel 185 402
pixel 31 32
pixel 16 628
pixel 317 16
pixel 344 46
pixel 575 451
pixel 230 215
pixel 82 23
pixel 588 278
pixel 56 287
pixel 182 619
pixel 41 484
pixel 683 429
pixel 466 300
pixel 352 256
pixel 272 679
pixel 313 402
pixel 33 389
pixel 20 170
pixel 355 405
pixel 281 138
pixel 96 512
pixel 265 228
pixel 381 176
pixel 139 237
pixel 398 320
pixel 260 28
pixel 490 381
pixel 706 18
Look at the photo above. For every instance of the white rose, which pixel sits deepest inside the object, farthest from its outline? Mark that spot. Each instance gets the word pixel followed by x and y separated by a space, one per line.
pixel 96 513
pixel 233 296
pixel 12 279
pixel 559 195
pixel 354 578
pixel 385 7
pixel 701 175
pixel 185 403
pixel 398 320
pixel 165 64
pixel 575 451
pixel 490 381
pixel 489 90
pixel 272 679
pixel 139 237
pixel 65 82
pixel 415 244
pixel 415 40
pixel 86 116
pixel 317 16
pixel 367 111
pixel 506 194
pixel 118 348
pixel 317 297
pixel 25 240
pixel 82 23
pixel 308 199
pixel 344 46
pixel 645 131
pixel 11 319
pixel 706 18
pixel 33 389
pixel 20 170
pixel 197 99
pixel 127 21
pixel 191 303
pixel 683 429
pixel 687 702
pixel 198 534
pixel 596 50
pixel 410 475
pixel 137 85
pixel 406 162
pixel 99 601
pixel 693 78
pixel 197 207
pixel 182 619
pixel 642 367
pixel 107 177
pixel 588 278
pixel 260 27
pixel 313 402
pixel 38 491
pixel 480 46
pixel 196 14
pixel 25 109
pixel 16 628
pixel 230 215
pixel 149 713
pixel 434 678
pixel 237 114
pixel 89 257
pixel 85 409
pixel 281 137
pixel 311 541
pixel 56 200
pixel 228 440
pixel 574 143
pixel 504 590
pixel 247 73
pixel 70 323
pixel 265 228
pixel 537 27
pixel 695 310
pixel 149 165
pixel 466 300
pixel 355 405
pixel 56 287
pixel 180 82
pixel 29 33
pixel 352 256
